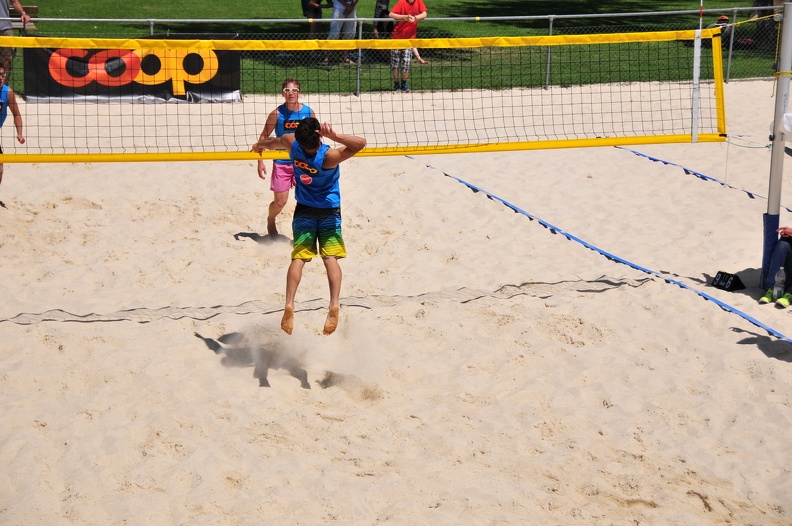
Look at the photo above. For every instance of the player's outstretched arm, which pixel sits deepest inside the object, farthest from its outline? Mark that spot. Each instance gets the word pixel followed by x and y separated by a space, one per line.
pixel 272 143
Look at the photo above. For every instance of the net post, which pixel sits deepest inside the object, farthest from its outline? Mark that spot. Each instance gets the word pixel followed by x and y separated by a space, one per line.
pixel 771 218
pixel 781 105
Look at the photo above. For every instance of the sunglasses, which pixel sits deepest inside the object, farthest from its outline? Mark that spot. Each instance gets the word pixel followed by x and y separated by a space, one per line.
pixel 291 90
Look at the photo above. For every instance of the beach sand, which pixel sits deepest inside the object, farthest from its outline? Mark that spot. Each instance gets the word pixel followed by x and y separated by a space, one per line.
pixel 490 367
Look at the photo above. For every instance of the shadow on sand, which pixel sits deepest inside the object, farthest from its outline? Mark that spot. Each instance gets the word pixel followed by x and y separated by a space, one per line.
pixel 237 350
pixel 262 240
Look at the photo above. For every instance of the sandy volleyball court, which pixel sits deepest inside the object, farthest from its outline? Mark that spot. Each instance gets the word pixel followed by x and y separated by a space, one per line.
pixel 491 366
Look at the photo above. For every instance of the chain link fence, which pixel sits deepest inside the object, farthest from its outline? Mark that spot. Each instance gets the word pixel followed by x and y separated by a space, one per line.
pixel 749 44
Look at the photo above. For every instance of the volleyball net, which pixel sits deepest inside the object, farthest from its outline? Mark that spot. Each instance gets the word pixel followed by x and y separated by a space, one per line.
pixel 184 98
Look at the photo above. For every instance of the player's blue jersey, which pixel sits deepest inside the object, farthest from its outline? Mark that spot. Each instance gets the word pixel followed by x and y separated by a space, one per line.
pixel 3 104
pixel 288 121
pixel 315 186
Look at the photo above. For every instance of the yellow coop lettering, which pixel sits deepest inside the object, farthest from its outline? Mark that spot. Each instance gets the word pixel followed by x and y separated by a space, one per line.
pixel 172 68
pixel 302 165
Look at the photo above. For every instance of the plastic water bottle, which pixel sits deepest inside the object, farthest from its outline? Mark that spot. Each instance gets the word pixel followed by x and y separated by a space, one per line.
pixel 778 287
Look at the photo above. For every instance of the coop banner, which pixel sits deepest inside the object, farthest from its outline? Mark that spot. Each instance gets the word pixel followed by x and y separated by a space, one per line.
pixel 140 75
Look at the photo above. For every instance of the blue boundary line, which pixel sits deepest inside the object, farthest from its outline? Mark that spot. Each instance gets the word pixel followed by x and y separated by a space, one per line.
pixel 556 230
pixel 700 175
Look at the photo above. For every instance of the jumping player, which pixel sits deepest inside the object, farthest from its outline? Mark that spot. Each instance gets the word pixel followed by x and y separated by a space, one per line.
pixel 317 216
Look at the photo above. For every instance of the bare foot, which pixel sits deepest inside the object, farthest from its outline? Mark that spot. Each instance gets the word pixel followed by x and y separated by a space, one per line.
pixel 332 321
pixel 287 322
pixel 422 61
pixel 271 228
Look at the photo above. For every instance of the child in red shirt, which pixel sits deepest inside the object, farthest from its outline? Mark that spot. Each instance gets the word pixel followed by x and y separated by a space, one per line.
pixel 407 13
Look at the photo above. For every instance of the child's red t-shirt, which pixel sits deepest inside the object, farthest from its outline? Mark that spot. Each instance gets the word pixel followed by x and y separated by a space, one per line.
pixel 404 29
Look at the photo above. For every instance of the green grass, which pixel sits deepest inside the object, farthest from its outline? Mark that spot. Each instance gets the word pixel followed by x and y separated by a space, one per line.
pixel 449 69
pixel 487 68
pixel 291 8
pixel 286 9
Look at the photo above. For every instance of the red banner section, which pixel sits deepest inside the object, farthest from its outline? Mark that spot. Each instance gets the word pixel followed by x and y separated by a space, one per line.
pixel 141 75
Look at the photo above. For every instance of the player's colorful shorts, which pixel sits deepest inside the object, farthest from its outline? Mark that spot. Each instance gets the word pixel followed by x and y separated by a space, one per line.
pixel 282 179
pixel 401 59
pixel 317 225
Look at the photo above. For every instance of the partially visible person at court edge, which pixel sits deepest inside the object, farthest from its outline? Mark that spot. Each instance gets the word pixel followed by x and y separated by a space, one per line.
pixel 726 29
pixel 407 13
pixel 317 217
pixel 6 29
pixel 312 9
pixel 383 28
pixel 282 120
pixel 781 257
pixel 8 102
pixel 417 56
pixel 343 24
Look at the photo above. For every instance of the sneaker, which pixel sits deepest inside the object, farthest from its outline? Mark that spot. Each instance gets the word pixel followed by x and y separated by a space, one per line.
pixel 404 86
pixel 767 298
pixel 396 86
pixel 784 300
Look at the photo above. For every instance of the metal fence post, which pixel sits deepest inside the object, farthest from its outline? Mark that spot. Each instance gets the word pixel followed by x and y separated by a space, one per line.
pixel 549 52
pixel 731 46
pixel 359 53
